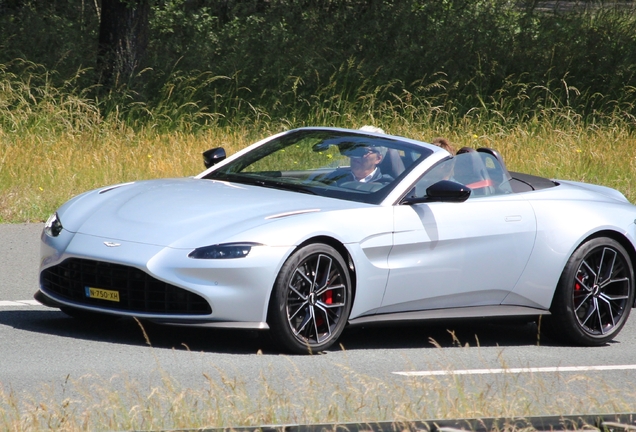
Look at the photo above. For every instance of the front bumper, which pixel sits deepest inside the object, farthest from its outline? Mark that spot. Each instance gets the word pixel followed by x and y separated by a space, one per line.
pixel 159 283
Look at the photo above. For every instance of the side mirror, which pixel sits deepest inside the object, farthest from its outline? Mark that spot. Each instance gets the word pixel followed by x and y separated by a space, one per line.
pixel 213 156
pixel 442 191
pixel 320 147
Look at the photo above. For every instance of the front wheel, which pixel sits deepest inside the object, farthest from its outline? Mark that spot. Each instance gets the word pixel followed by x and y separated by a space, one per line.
pixel 595 294
pixel 311 300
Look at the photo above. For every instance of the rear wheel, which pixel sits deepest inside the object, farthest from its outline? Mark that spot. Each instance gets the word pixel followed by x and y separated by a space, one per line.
pixel 595 294
pixel 311 300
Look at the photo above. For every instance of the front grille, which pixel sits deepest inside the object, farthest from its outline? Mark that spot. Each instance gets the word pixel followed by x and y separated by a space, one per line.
pixel 138 291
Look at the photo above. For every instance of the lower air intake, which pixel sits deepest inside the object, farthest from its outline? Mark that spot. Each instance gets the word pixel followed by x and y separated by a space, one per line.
pixel 137 290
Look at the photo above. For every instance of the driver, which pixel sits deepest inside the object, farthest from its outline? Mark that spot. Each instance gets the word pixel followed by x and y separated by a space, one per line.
pixel 363 166
pixel 364 163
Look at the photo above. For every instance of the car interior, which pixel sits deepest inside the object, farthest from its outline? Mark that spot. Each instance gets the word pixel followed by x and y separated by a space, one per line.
pixel 484 172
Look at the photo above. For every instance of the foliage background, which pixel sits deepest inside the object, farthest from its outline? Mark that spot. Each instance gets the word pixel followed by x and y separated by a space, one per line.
pixel 210 60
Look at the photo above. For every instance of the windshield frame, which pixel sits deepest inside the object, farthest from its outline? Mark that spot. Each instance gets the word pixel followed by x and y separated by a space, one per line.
pixel 237 168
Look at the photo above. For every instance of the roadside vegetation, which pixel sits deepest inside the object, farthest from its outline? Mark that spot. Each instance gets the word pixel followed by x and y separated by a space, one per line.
pixel 92 402
pixel 56 143
pixel 553 91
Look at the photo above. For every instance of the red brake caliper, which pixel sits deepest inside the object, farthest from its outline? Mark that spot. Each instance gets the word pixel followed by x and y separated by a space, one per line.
pixel 577 285
pixel 327 297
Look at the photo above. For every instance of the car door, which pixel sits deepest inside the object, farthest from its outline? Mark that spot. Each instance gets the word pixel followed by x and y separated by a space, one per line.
pixel 448 254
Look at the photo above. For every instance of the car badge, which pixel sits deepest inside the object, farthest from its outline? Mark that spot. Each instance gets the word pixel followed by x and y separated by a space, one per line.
pixel 111 244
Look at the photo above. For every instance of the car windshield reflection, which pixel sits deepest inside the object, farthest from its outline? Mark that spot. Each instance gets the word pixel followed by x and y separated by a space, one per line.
pixel 337 164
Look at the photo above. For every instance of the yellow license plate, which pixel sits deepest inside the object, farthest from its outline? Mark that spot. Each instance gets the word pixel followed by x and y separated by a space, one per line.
pixel 102 294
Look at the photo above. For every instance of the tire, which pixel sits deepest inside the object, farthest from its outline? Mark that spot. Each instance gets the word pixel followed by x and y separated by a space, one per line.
pixel 311 300
pixel 594 296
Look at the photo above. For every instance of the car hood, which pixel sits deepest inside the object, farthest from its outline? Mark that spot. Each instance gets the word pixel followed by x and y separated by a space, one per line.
pixel 184 212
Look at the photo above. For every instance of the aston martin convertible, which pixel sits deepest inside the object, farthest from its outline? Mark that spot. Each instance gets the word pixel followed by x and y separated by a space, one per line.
pixel 315 229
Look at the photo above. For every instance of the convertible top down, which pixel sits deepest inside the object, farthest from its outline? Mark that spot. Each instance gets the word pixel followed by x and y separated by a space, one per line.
pixel 314 229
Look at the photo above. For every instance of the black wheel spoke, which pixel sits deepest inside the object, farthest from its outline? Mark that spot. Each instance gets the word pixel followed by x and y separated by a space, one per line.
pixel 323 269
pixel 583 282
pixel 303 323
pixel 302 306
pixel 612 298
pixel 611 281
pixel 582 303
pixel 591 307
pixel 608 258
pixel 325 317
pixel 297 287
pixel 611 314
pixel 590 274
pixel 600 326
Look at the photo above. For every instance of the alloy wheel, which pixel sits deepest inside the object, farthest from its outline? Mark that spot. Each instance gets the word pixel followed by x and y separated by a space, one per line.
pixel 317 299
pixel 601 291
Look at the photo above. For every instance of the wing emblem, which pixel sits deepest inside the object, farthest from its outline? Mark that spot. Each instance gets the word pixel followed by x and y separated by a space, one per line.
pixel 112 244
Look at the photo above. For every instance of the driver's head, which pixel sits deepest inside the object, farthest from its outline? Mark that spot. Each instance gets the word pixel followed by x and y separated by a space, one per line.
pixel 364 161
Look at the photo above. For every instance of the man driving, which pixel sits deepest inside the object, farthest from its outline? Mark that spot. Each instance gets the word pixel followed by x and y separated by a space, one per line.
pixel 364 160
pixel 364 164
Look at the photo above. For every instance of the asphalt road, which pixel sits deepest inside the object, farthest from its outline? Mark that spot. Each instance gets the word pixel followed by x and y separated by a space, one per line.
pixel 41 349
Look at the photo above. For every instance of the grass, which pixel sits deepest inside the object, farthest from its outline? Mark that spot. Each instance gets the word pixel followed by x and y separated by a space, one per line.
pixel 38 172
pixel 223 401
pixel 56 142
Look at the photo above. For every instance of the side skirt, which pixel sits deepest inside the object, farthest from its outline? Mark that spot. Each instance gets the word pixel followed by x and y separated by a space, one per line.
pixel 439 314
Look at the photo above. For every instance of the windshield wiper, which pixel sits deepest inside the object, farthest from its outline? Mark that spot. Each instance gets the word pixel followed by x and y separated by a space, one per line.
pixel 267 182
pixel 287 186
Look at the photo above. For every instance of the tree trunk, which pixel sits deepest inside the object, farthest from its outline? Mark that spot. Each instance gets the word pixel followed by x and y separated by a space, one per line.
pixel 123 38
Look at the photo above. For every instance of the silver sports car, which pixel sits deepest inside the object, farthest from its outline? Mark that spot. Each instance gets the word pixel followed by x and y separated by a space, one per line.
pixel 314 229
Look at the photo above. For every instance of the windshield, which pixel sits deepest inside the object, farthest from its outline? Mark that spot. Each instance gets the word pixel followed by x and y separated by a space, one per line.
pixel 337 164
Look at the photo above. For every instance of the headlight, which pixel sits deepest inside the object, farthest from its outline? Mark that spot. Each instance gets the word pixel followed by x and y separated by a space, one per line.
pixel 223 251
pixel 53 226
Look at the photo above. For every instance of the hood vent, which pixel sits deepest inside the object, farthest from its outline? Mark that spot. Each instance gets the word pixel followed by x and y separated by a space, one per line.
pixel 108 189
pixel 292 213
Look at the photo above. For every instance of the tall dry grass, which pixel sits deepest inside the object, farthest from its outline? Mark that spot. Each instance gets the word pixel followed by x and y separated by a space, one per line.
pixel 38 172
pixel 223 401
pixel 56 141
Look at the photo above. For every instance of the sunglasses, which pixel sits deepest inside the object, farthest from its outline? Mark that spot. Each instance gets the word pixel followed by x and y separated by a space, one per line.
pixel 360 152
